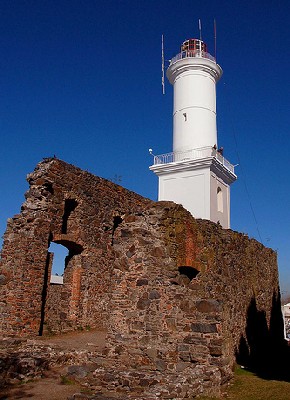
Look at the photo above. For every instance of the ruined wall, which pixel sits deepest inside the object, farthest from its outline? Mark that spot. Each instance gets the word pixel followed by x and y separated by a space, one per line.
pixel 78 210
pixel 183 290
pixel 173 293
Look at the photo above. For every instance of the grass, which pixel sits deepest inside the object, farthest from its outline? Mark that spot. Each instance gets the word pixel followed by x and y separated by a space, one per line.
pixel 248 386
pixel 64 380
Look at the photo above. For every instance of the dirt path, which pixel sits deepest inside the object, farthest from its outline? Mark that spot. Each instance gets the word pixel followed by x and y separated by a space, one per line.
pixel 77 340
pixel 43 389
pixel 54 385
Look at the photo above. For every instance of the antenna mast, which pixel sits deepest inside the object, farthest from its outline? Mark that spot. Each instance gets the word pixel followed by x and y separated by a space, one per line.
pixel 199 27
pixel 162 64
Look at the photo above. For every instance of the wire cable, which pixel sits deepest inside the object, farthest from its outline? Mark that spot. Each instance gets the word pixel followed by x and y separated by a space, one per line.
pixel 241 166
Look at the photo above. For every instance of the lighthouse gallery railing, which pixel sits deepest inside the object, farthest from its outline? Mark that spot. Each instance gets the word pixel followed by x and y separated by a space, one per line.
pixel 192 54
pixel 194 154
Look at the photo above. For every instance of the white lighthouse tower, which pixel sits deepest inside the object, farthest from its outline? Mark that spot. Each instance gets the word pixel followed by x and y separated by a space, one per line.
pixel 195 174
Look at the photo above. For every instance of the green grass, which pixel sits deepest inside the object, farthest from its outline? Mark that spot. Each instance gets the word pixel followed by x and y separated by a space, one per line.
pixel 248 386
pixel 64 380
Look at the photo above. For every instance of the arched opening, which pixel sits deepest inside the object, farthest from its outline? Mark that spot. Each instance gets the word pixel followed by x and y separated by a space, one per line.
pixel 57 297
pixel 185 275
pixel 189 272
pixel 60 254
pixel 220 200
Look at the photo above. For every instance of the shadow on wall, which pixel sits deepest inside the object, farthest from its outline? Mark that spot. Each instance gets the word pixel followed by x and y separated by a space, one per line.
pixel 264 350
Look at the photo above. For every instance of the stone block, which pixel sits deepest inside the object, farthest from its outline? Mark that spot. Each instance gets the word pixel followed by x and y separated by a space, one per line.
pixel 204 328
pixel 208 306
pixel 142 303
pixel 142 282
pixel 154 295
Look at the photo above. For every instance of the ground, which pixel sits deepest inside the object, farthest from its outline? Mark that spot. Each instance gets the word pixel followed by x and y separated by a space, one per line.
pixel 55 384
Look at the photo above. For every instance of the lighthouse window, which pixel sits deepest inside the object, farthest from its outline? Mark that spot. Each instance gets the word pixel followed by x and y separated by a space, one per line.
pixel 220 202
pixel 185 116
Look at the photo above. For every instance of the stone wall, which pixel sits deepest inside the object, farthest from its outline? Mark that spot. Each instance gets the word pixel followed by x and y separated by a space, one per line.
pixel 71 207
pixel 172 292
pixel 184 288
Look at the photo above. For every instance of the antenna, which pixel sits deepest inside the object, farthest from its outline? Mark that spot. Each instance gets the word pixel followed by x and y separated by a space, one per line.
pixel 214 30
pixel 199 27
pixel 162 64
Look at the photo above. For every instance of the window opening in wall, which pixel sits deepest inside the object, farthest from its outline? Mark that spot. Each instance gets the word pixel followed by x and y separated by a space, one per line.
pixel 185 276
pixel 116 222
pixel 220 202
pixel 48 186
pixel 69 207
pixel 60 254
pixel 190 272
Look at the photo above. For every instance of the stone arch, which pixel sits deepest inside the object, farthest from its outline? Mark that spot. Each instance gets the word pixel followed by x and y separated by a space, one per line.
pixel 60 302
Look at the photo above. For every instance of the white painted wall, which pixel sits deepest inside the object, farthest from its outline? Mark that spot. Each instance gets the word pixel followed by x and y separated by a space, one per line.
pixel 286 310
pixel 56 279
pixel 194 105
pixel 191 188
pixel 286 318
pixel 194 113
pixel 215 215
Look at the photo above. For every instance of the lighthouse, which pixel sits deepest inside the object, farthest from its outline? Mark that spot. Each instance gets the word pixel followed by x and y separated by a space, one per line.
pixel 196 173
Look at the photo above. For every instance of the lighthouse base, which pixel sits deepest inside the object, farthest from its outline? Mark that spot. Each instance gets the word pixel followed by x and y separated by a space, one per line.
pixel 202 186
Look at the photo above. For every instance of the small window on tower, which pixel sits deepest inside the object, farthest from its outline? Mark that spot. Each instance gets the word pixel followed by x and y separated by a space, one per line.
pixel 220 202
pixel 185 116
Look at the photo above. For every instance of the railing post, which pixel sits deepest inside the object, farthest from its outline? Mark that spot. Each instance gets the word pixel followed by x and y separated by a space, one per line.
pixel 192 155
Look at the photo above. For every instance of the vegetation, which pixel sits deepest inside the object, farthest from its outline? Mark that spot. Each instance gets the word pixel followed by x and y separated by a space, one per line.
pixel 64 380
pixel 248 386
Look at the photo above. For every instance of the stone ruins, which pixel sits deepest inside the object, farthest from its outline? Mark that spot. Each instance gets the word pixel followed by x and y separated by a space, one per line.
pixel 177 297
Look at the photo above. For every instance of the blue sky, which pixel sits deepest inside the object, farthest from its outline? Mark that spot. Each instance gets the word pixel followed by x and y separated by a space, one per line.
pixel 82 80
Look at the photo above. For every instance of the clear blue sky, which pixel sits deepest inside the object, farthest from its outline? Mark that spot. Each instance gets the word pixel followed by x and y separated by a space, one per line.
pixel 81 79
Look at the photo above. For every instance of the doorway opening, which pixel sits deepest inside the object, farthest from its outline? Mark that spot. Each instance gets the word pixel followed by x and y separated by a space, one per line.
pixel 59 263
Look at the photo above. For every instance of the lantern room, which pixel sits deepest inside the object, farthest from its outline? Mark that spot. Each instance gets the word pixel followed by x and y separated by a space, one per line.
pixel 194 46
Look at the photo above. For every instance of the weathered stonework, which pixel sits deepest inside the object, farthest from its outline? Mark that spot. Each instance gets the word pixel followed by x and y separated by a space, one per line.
pixel 172 292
